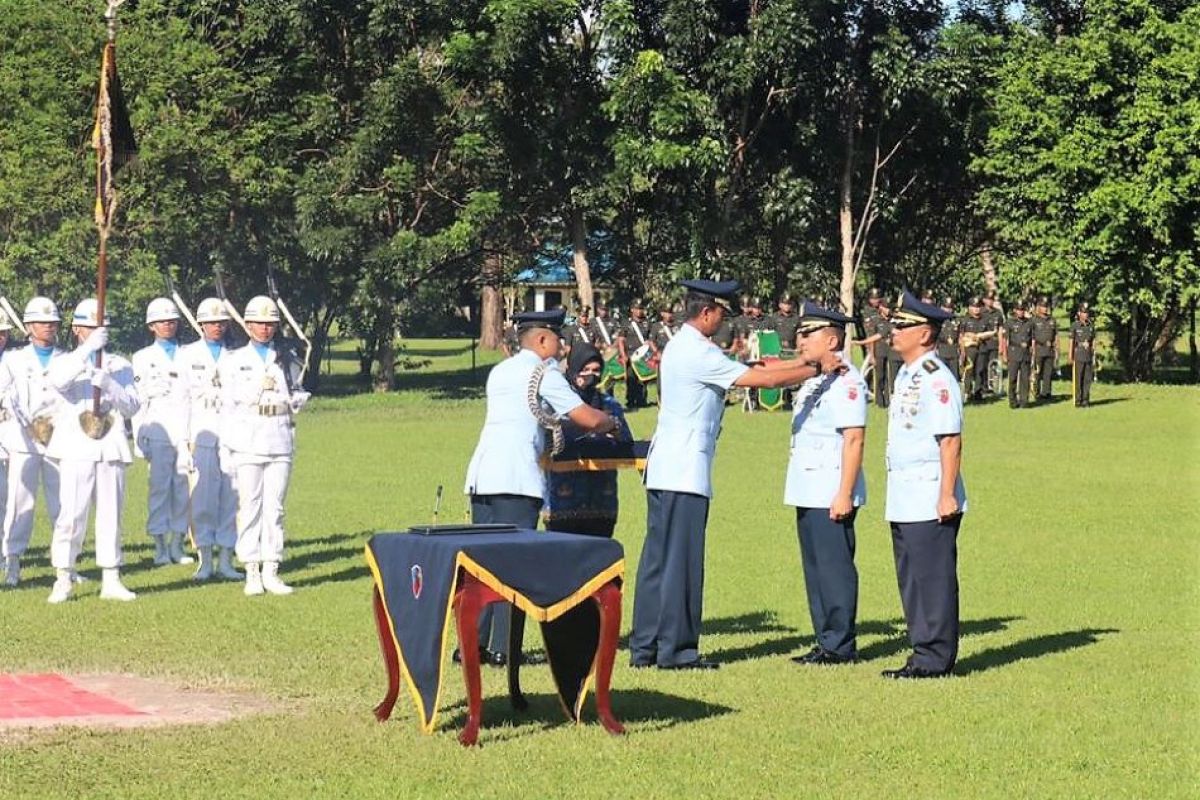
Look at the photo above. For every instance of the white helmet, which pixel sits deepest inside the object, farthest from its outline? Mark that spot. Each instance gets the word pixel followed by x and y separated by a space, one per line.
pixel 41 309
pixel 211 309
pixel 161 310
pixel 5 325
pixel 261 309
pixel 85 314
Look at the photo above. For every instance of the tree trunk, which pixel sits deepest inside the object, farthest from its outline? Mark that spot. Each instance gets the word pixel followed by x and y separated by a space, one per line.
pixel 583 271
pixel 491 320
pixel 989 267
pixel 846 220
pixel 385 335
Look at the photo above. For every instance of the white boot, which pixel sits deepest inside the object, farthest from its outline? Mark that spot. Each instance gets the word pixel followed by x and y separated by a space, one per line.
pixel 111 587
pixel 78 577
pixel 270 579
pixel 161 556
pixel 225 565
pixel 254 581
pixel 63 587
pixel 205 570
pixel 12 570
pixel 175 548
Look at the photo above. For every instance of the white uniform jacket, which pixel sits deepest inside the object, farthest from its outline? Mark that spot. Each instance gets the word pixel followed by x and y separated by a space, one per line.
pixel 71 375
pixel 506 459
pixel 693 377
pixel 926 403
pixel 823 407
pixel 25 392
pixel 199 368
pixel 257 405
pixel 163 416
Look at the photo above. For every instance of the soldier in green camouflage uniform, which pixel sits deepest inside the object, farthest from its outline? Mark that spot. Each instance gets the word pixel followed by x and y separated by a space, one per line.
pixel 1015 348
pixel 1083 355
pixel 1045 348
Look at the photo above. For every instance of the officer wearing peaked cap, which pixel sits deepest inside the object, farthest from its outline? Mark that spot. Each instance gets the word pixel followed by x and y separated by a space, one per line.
pixel 825 482
pixel 526 394
pixel 1083 357
pixel 925 494
pixel 31 403
pixel 694 375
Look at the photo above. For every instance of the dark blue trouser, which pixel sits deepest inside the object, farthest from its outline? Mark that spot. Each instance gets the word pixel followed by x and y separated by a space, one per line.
pixel 669 597
pixel 830 577
pixel 927 573
pixel 513 509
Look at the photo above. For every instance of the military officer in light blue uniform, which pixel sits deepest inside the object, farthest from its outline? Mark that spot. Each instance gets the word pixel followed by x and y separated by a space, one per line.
pixel 825 482
pixel 693 377
pixel 925 494
pixel 525 394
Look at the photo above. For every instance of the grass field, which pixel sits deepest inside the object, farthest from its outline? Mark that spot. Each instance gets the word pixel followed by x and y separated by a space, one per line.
pixel 1079 672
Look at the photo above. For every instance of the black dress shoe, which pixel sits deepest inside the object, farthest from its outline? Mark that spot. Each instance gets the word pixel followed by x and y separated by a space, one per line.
pixel 698 663
pixel 641 664
pixel 827 657
pixel 533 659
pixel 808 657
pixel 910 672
pixel 491 657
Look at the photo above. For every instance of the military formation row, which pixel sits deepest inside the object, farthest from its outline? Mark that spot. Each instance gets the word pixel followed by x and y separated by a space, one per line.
pixel 215 424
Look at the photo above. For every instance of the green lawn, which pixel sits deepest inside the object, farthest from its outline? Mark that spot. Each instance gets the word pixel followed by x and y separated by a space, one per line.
pixel 1079 666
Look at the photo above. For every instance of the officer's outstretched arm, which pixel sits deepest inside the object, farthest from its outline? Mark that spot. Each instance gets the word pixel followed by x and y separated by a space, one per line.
pixel 590 419
pixel 776 373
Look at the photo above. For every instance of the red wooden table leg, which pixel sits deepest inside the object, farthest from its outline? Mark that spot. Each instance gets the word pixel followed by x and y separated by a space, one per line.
pixel 470 599
pixel 391 660
pixel 608 597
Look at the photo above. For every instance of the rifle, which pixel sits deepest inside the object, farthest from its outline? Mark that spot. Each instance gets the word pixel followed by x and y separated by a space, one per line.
pixel 219 285
pixel 273 291
pixel 6 308
pixel 182 306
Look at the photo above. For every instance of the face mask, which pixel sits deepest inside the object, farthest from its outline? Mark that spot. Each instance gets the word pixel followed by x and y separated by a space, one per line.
pixel 587 383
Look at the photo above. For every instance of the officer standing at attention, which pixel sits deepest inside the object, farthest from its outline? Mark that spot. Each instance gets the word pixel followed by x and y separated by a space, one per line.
pixel 214 504
pixel 925 494
pixel 32 403
pixel 578 331
pixel 92 453
pixel 879 333
pixel 1083 363
pixel 1015 349
pixel 1045 348
pixel 634 337
pixel 694 376
pixel 662 331
pixel 5 329
pixel 989 348
pixel 260 395
pixel 160 430
pixel 785 321
pixel 505 480
pixel 825 483
pixel 975 365
pixel 947 346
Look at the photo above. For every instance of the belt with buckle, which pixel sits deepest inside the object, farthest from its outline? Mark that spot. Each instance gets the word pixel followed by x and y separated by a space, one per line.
pixel 276 410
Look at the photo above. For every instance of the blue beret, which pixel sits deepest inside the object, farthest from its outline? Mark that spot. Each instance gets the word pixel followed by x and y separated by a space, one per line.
pixel 911 311
pixel 721 292
pixel 553 320
pixel 814 317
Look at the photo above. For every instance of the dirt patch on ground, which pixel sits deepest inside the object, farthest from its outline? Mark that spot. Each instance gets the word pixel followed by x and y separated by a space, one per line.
pixel 134 702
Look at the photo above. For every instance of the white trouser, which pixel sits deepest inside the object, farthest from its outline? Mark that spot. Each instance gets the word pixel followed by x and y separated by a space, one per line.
pixel 214 504
pixel 168 496
pixel 262 483
pixel 25 472
pixel 81 483
pixel 3 482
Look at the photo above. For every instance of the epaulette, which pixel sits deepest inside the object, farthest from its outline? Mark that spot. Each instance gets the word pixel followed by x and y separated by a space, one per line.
pixel 930 366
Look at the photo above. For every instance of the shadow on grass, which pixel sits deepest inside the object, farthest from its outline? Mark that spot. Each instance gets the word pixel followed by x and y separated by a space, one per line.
pixel 631 707
pixel 896 640
pixel 754 622
pixel 1106 401
pixel 341 576
pixel 770 647
pixel 1036 647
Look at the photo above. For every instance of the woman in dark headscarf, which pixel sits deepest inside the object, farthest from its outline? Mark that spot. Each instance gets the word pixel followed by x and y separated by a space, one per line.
pixel 586 502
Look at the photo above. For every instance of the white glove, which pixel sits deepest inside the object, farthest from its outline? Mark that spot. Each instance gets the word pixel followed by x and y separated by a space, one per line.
pixel 94 342
pixel 183 460
pixel 101 379
pixel 298 400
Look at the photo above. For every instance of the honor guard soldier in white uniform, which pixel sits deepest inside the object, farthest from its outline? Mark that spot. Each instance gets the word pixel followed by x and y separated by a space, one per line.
pixel 694 375
pixel 213 501
pixel 825 482
pixel 32 404
pixel 525 393
pixel 92 453
pixel 5 414
pixel 160 430
pixel 259 385
pixel 925 494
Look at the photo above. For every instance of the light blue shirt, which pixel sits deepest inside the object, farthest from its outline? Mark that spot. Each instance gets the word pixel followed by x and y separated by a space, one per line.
pixel 693 377
pixel 824 406
pixel 926 403
pixel 169 347
pixel 506 459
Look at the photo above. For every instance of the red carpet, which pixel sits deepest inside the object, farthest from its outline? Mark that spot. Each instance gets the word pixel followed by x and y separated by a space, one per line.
pixel 49 695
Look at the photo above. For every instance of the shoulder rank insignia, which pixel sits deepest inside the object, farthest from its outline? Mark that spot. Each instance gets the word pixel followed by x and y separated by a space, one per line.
pixel 930 366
